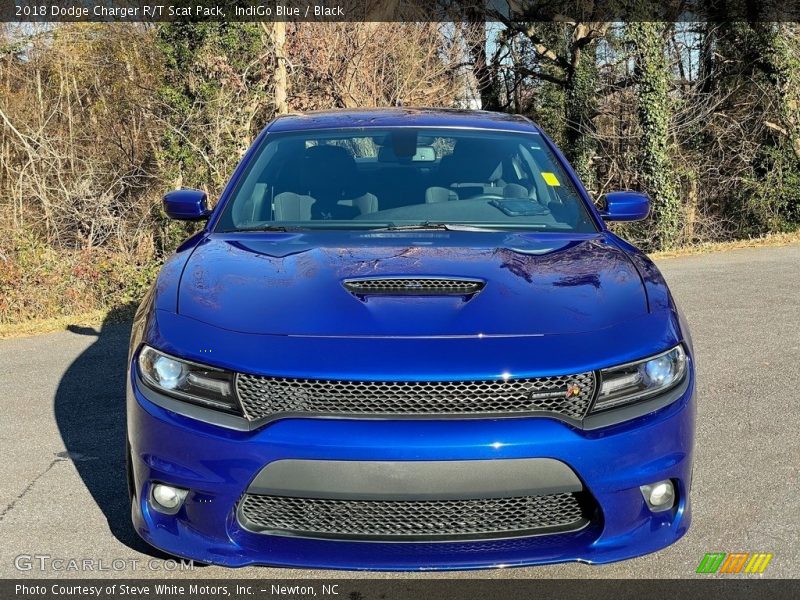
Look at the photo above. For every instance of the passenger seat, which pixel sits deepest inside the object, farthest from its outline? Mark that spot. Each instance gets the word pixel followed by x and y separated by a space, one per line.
pixel 439 194
pixel 289 206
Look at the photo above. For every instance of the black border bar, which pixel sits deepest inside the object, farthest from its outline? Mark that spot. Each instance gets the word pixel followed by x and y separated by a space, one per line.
pixel 133 11
pixel 465 587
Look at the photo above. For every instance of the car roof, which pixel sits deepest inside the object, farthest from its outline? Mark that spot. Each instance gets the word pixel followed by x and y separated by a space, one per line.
pixel 402 117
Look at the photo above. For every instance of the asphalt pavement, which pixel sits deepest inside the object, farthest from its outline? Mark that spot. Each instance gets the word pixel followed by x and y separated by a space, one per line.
pixel 62 483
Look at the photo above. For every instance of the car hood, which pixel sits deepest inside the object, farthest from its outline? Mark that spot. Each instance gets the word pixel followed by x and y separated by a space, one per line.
pixel 293 283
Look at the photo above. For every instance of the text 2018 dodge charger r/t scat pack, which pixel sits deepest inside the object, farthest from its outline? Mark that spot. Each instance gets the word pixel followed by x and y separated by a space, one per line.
pixel 405 339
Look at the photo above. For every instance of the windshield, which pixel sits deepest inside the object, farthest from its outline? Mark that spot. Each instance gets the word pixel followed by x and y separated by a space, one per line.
pixel 405 177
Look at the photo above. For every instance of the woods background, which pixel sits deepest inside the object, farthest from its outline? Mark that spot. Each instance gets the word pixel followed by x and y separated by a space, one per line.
pixel 97 121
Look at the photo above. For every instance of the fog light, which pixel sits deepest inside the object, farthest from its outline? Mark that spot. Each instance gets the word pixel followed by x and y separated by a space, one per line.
pixel 659 496
pixel 167 499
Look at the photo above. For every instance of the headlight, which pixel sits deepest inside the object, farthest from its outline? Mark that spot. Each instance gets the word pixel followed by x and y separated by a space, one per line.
pixel 641 379
pixel 199 384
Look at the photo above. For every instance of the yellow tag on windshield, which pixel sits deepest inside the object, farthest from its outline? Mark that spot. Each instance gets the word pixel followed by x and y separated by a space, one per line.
pixel 550 179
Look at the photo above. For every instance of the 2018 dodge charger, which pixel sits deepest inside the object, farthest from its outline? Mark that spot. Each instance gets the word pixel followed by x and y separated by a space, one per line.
pixel 406 339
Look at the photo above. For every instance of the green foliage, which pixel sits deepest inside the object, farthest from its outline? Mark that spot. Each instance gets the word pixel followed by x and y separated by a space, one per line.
pixel 766 197
pixel 771 195
pixel 38 281
pixel 214 94
pixel 780 166
pixel 215 97
pixel 549 112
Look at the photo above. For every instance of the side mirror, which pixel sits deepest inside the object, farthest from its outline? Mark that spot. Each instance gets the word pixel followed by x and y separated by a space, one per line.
pixel 186 205
pixel 626 206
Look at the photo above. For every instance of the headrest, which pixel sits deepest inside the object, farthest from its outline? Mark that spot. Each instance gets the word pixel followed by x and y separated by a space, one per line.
pixel 330 172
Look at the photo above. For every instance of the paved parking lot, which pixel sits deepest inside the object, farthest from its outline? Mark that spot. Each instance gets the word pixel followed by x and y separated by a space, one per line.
pixel 63 485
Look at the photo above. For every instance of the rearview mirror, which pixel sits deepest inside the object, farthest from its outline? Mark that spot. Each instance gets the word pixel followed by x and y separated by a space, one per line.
pixel 626 206
pixel 186 205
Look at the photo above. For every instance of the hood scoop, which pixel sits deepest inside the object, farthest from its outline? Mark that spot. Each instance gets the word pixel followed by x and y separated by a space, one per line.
pixel 413 286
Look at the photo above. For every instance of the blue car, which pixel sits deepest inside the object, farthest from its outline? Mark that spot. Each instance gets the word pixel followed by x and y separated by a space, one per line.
pixel 406 339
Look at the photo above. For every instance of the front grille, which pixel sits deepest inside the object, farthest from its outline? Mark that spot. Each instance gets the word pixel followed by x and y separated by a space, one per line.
pixel 413 286
pixel 412 520
pixel 267 397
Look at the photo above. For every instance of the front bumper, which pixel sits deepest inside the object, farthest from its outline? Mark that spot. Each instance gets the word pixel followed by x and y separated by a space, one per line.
pixel 217 465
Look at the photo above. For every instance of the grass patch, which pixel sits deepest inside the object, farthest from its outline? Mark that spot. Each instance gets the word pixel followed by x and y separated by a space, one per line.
pixel 42 289
pixel 37 326
pixel 94 319
pixel 772 239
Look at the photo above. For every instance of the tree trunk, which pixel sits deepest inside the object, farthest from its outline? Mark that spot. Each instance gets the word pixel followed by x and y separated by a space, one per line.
pixel 278 35
pixel 657 172
pixel 484 75
pixel 707 71
pixel 580 105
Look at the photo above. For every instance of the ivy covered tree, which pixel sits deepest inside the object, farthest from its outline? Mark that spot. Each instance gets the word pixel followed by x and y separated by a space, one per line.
pixel 216 95
pixel 657 171
pixel 580 107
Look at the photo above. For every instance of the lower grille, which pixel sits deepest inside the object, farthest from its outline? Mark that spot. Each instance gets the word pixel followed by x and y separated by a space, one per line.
pixel 404 520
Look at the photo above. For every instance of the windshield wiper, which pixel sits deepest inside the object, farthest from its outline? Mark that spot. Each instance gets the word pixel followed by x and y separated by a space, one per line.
pixel 265 228
pixel 423 225
pixel 430 225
